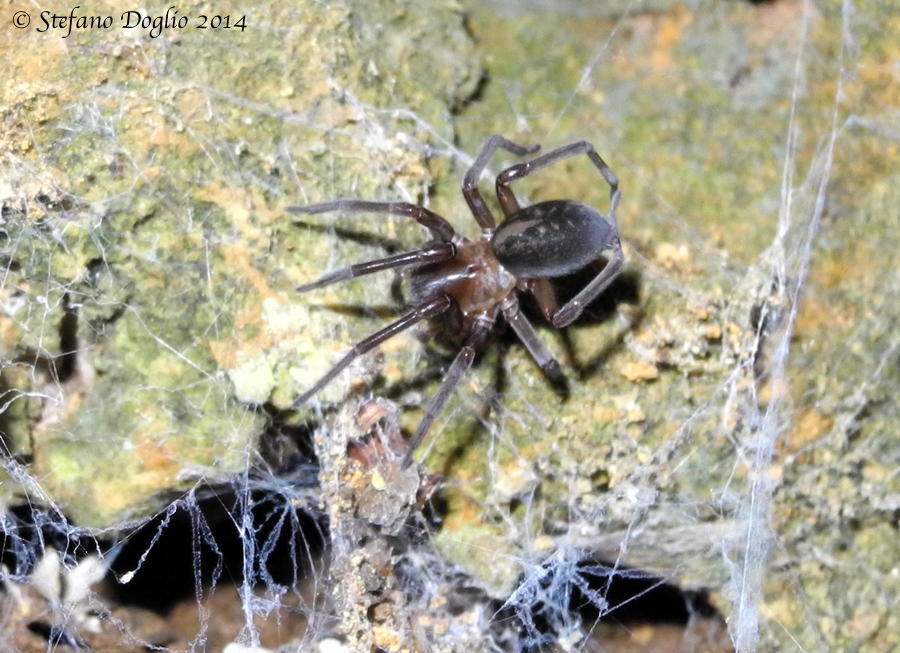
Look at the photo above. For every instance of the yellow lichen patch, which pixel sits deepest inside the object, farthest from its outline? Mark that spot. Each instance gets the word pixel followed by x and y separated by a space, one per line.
pixel 108 497
pixel 237 205
pixel 236 258
pixel 149 468
pixel 250 315
pixel 148 176
pixel 154 455
pixel 877 73
pixel 143 127
pixel 223 352
pixel 354 479
pixel 604 414
pixel 386 638
pixel 735 335
pixel 162 135
pixel 36 65
pixel 670 30
pixel 54 413
pixel 814 315
pixel 34 78
pixel 193 103
pixel 712 331
pixel 782 611
pixel 829 272
pixel 701 311
pixel 864 623
pixel 9 332
pixel 392 373
pixel 670 255
pixel 514 478
pixel 849 265
pixel 333 113
pixel 165 367
pixel 634 413
pixel 261 210
pixel 464 513
pixel 646 336
pixel 636 371
pixel 809 426
pixel 875 472
pixel 770 21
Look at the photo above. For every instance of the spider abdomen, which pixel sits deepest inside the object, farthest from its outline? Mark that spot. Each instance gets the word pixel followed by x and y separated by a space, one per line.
pixel 551 239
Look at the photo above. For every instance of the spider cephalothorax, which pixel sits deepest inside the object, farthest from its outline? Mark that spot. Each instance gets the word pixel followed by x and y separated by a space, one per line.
pixel 478 280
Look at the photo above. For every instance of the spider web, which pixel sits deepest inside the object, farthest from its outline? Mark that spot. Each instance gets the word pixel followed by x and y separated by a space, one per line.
pixel 701 404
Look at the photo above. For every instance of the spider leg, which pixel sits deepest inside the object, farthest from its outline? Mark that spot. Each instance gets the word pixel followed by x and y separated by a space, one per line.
pixel 529 337
pixel 470 183
pixel 573 308
pixel 506 197
pixel 428 219
pixel 544 295
pixel 458 367
pixel 422 312
pixel 431 254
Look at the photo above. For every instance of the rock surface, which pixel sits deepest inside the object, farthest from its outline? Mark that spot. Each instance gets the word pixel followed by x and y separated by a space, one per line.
pixel 729 424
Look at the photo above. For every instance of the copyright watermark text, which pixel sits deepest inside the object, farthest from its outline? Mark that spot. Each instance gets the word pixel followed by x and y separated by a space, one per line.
pixel 153 25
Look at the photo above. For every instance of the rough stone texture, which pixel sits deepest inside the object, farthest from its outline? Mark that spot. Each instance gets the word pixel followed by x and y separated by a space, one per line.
pixel 659 459
pixel 148 263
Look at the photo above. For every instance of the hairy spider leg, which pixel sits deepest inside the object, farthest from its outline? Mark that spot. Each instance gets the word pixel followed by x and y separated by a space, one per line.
pixel 424 311
pixel 573 308
pixel 529 337
pixel 432 254
pixel 458 367
pixel 428 219
pixel 470 182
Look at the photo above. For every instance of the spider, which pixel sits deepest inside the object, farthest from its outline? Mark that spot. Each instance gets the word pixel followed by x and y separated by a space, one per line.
pixel 470 283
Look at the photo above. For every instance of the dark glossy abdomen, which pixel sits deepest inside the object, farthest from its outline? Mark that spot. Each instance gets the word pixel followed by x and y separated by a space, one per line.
pixel 551 239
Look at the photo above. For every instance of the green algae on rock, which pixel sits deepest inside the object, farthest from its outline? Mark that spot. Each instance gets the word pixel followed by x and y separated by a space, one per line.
pixel 149 264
